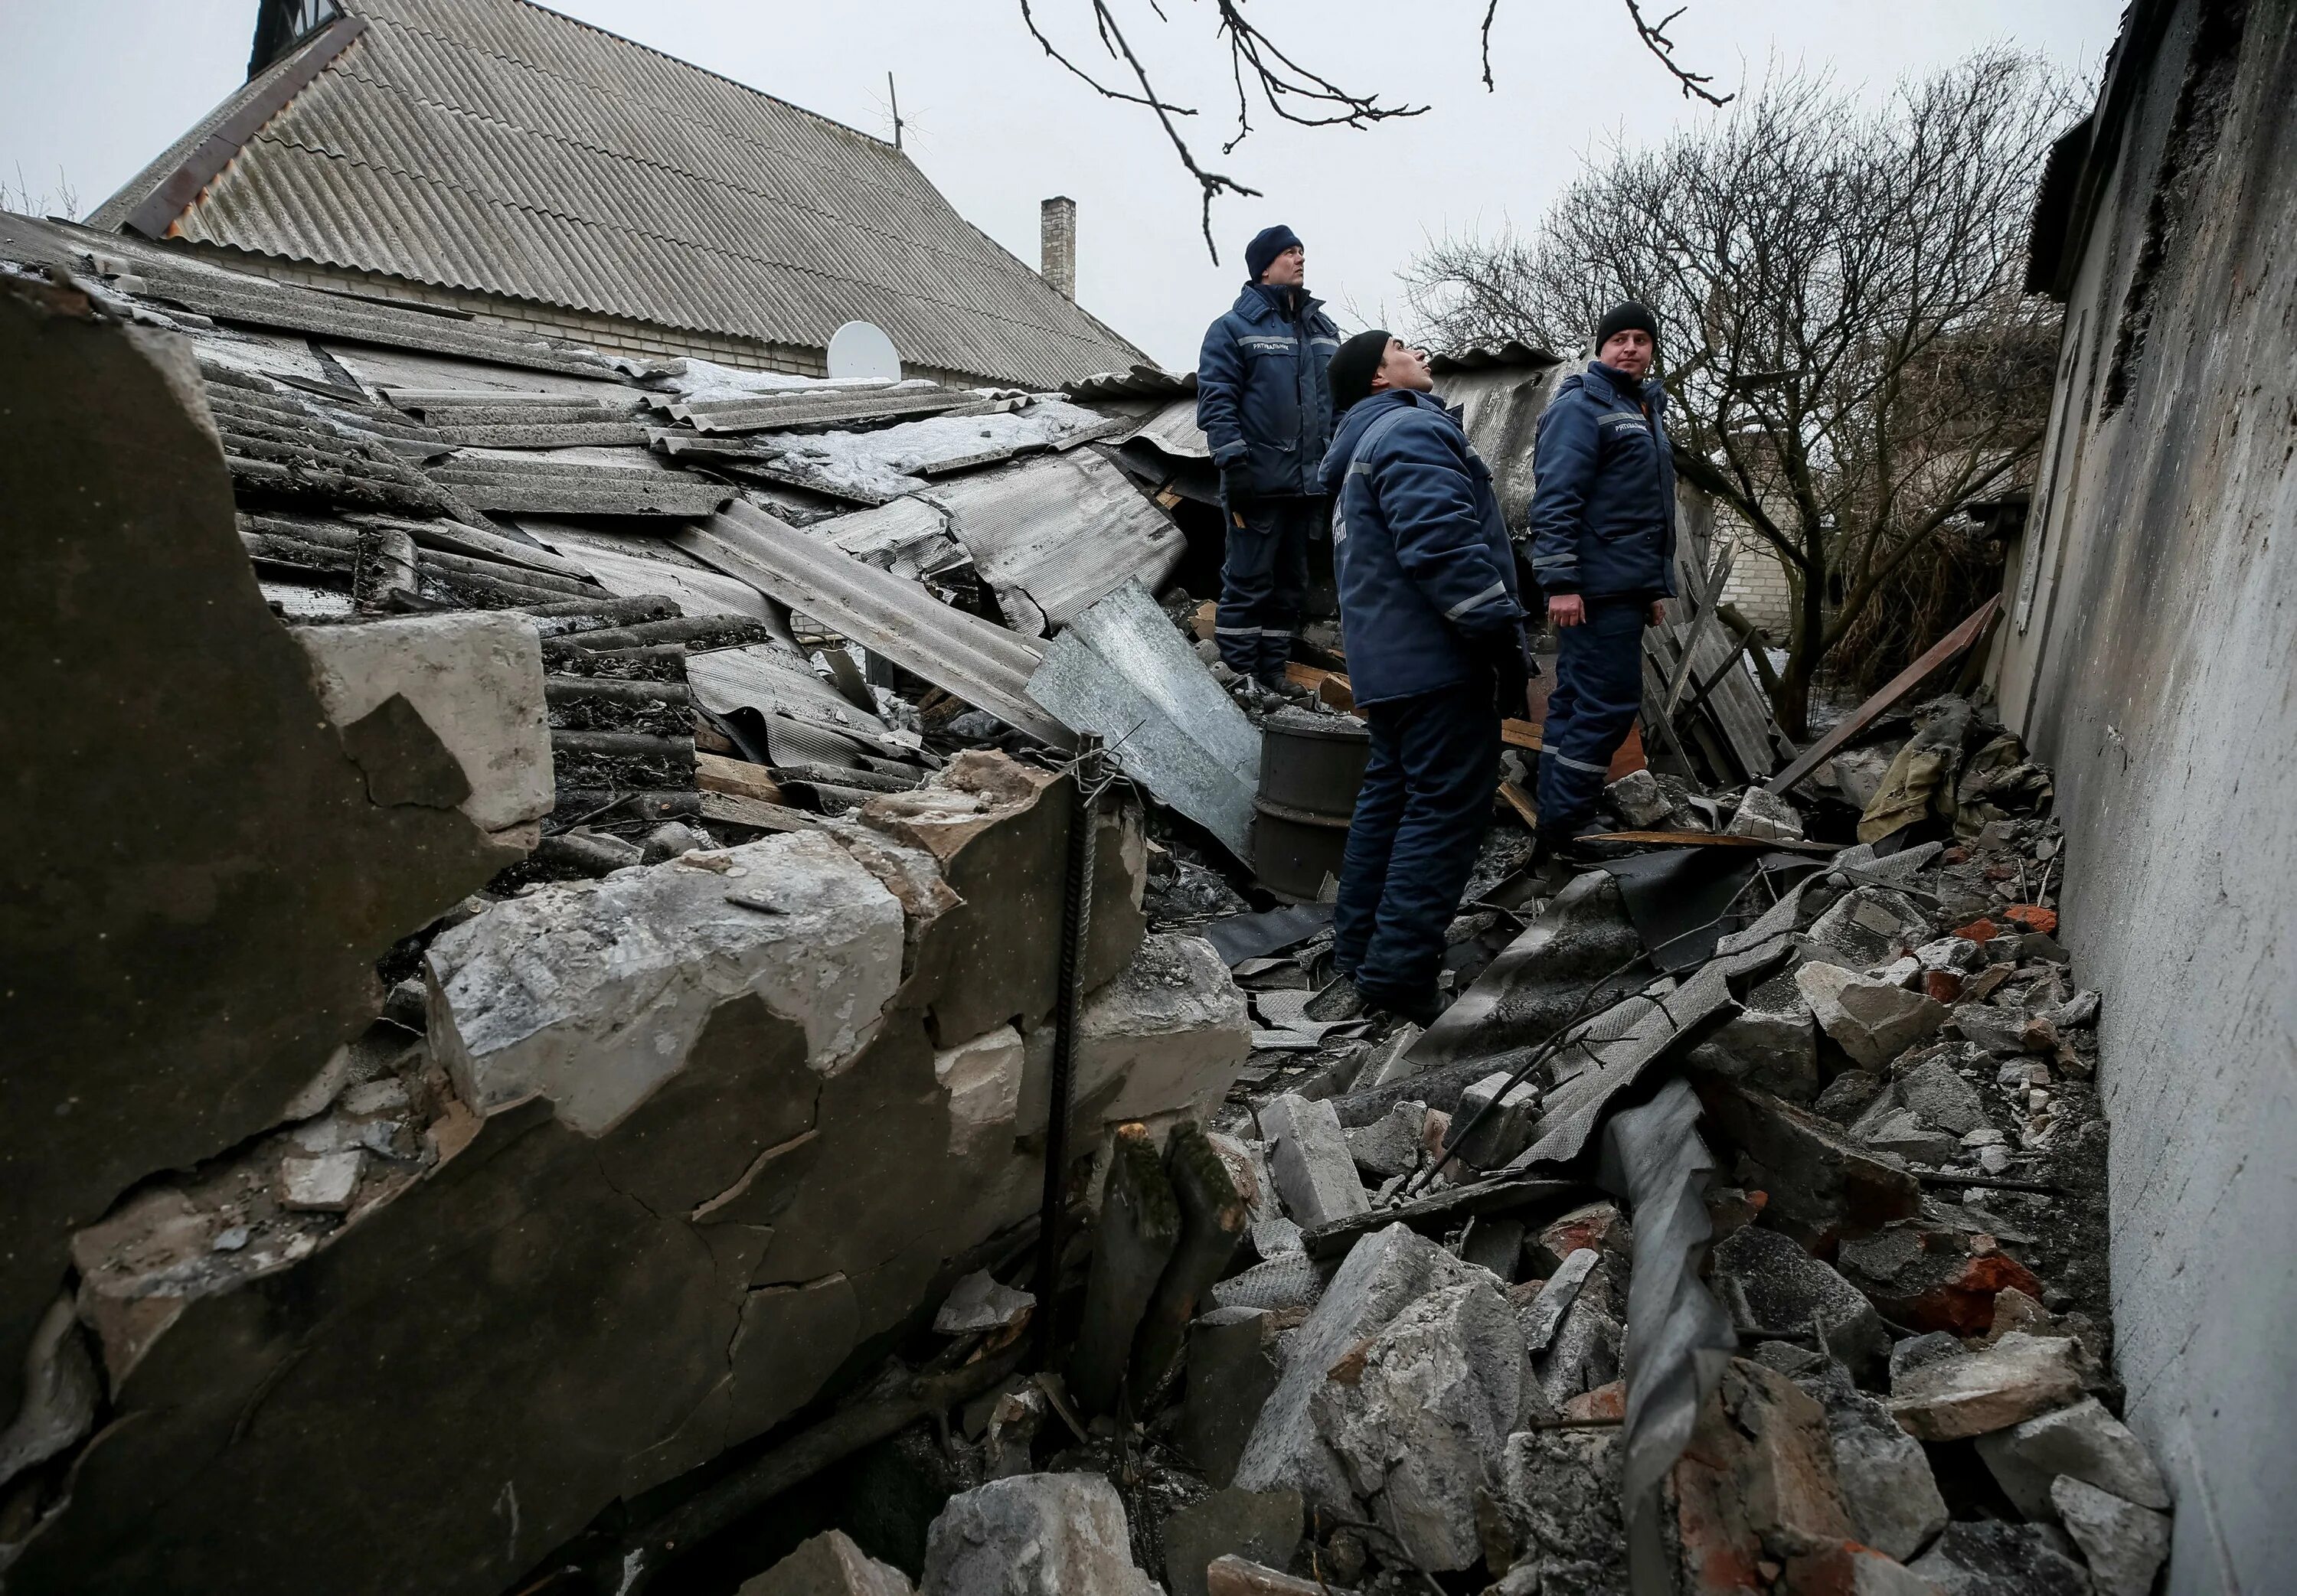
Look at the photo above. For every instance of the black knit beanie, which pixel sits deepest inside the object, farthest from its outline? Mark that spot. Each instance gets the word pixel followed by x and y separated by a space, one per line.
pixel 1266 245
pixel 1626 316
pixel 1351 369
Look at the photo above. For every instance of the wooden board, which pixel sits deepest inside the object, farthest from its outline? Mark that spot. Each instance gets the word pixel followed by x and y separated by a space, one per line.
pixel 715 773
pixel 736 810
pixel 1517 801
pixel 1897 688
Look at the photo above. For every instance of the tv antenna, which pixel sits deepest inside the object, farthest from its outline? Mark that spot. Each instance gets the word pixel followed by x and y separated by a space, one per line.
pixel 896 101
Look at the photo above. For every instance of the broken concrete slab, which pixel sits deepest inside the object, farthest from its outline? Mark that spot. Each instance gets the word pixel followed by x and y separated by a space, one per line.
pixel 1941 1097
pixel 1885 1479
pixel 1232 1369
pixel 1993 1388
pixel 1985 1558
pixel 1560 1501
pixel 2124 1544
pixel 1866 927
pixel 1769 1283
pixel 1390 1146
pixel 1170 1031
pixel 1766 816
pixel 1233 1575
pixel 983 1078
pixel 1822 1184
pixel 2083 1441
pixel 1384 1273
pixel 1770 1043
pixel 1212 1218
pixel 977 1304
pixel 1544 1313
pixel 1873 1021
pixel 1419 1414
pixel 1138 1228
pixel 592 993
pixel 476 679
pixel 1262 1526
pixel 829 1565
pixel 1638 797
pixel 177 984
pixel 1308 1155
pixel 1034 1535
pixel 320 1185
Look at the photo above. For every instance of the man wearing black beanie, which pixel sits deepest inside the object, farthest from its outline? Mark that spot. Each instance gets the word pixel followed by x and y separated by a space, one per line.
pixel 1602 524
pixel 1262 400
pixel 1435 659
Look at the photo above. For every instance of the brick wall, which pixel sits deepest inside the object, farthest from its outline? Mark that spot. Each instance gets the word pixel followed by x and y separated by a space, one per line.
pixel 1758 582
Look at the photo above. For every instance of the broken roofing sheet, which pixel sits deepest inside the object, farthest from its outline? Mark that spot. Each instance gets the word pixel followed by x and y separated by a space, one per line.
pixel 1123 671
pixel 980 663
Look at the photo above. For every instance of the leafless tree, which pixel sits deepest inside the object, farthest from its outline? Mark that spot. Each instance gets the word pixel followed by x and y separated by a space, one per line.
pixel 63 200
pixel 1849 357
pixel 1260 68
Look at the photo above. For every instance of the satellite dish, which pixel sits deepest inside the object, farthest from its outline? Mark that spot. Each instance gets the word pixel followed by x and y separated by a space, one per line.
pixel 860 349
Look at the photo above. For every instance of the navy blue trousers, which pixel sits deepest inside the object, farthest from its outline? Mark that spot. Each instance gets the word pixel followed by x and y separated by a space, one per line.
pixel 1599 691
pixel 1421 814
pixel 1264 582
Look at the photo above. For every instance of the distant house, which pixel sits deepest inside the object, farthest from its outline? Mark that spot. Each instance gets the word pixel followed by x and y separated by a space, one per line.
pixel 497 159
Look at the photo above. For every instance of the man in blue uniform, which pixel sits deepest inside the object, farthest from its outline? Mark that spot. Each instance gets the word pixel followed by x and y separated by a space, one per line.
pixel 1263 402
pixel 1435 658
pixel 1602 525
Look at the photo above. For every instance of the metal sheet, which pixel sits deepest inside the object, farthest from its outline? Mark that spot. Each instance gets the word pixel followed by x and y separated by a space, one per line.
pixel 1123 670
pixel 909 537
pixel 1066 529
pixel 495 146
pixel 981 664
pixel 1174 430
pixel 1679 1338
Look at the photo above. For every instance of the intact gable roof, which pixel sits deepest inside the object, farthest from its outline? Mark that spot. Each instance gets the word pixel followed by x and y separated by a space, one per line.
pixel 497 146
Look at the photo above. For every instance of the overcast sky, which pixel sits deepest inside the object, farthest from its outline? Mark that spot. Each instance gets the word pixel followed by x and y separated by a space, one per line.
pixel 91 89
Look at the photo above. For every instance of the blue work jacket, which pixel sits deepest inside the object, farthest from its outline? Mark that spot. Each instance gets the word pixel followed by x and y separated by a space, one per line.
pixel 1263 397
pixel 1602 499
pixel 1427 575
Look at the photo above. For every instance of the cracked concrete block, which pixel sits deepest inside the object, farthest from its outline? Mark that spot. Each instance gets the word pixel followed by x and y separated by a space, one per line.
pixel 1989 1558
pixel 829 1565
pixel 1384 1273
pixel 1510 1115
pixel 999 831
pixel 1308 1156
pixel 983 1078
pixel 1866 927
pixel 1767 816
pixel 1937 1092
pixel 1872 1020
pixel 1170 1030
pixel 1232 1368
pixel 476 679
pixel 1034 1535
pixel 1638 797
pixel 2016 1379
pixel 591 994
pixel 1261 1526
pixel 1772 1042
pixel 1139 1227
pixel 1419 1415
pixel 1213 1219
pixel 1390 1145
pixel 2084 1441
pixel 1560 1499
pixel 320 1185
pixel 2125 1544
pixel 1887 1483
pixel 1768 1282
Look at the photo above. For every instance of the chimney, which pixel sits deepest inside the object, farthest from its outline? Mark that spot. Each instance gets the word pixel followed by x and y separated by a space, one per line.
pixel 1057 245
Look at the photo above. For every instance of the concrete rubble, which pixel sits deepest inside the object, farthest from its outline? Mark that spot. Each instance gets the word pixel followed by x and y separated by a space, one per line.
pixel 676 983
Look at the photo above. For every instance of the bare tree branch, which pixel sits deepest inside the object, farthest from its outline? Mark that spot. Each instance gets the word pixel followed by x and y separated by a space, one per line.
pixel 1655 40
pixel 1295 93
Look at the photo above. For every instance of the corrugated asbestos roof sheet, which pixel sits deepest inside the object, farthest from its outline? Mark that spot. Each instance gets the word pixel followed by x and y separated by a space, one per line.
pixel 494 145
